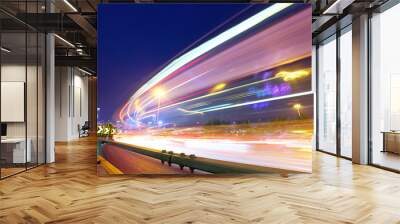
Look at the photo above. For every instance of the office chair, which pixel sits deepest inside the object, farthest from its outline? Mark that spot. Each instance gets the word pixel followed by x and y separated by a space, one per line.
pixel 84 130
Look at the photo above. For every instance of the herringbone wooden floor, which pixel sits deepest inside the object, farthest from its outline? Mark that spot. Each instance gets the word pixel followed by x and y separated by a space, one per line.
pixel 70 192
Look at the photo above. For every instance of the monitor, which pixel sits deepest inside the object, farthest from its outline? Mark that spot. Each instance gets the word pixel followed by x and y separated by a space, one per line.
pixel 3 129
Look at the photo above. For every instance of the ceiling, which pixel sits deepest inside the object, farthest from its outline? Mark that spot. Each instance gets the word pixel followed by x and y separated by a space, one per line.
pixel 75 22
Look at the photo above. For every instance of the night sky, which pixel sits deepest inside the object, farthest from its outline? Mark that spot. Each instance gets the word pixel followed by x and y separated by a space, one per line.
pixel 136 40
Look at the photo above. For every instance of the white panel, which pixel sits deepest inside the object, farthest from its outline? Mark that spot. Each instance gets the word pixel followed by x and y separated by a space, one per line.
pixel 77 103
pixel 12 101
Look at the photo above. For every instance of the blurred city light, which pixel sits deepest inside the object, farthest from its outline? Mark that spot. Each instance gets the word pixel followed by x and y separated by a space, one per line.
pixel 218 87
pixel 288 76
pixel 297 107
pixel 138 108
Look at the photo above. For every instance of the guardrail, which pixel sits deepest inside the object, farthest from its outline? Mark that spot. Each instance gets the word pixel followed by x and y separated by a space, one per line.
pixel 193 162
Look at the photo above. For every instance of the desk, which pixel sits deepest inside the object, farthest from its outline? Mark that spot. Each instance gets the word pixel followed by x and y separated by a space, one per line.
pixel 391 141
pixel 13 150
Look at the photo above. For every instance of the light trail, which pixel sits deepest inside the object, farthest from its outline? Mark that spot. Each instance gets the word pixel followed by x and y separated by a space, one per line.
pixel 211 44
pixel 235 97
pixel 149 100
pixel 292 152
pixel 223 107
pixel 213 94
pixel 190 112
pixel 221 92
pixel 196 82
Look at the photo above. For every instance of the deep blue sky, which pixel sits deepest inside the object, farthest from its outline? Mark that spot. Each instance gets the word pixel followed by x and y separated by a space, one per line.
pixel 135 40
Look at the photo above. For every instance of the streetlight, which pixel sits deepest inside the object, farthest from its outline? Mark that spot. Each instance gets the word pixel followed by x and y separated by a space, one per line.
pixel 158 93
pixel 297 107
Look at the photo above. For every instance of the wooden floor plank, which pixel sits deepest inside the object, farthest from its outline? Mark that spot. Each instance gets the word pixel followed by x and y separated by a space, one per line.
pixel 69 191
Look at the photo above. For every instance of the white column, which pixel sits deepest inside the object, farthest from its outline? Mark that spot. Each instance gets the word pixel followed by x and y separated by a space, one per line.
pixel 50 92
pixel 62 103
pixel 360 90
pixel 50 99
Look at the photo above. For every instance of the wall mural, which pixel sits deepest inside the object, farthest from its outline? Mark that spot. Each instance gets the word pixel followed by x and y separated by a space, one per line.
pixel 204 88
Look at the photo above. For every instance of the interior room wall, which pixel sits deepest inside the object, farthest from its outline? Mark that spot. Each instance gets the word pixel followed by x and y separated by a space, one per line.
pixel 28 74
pixel 16 73
pixel 80 103
pixel 61 103
pixel 71 102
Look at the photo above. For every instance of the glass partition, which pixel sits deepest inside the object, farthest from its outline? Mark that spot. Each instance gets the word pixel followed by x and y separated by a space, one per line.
pixel 41 96
pixel 327 95
pixel 346 93
pixel 22 91
pixel 385 89
pixel 31 99
pixel 14 153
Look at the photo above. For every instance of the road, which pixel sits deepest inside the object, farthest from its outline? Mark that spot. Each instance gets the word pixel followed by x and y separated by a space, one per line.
pixel 134 163
pixel 286 145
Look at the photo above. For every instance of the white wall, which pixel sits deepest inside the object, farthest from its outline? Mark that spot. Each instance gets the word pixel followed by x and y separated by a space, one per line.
pixel 10 73
pixel 71 102
pixel 16 73
pixel 13 101
pixel 62 83
pixel 80 110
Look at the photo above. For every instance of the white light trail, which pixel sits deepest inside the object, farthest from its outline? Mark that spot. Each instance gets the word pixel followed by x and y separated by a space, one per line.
pixel 211 44
pixel 222 107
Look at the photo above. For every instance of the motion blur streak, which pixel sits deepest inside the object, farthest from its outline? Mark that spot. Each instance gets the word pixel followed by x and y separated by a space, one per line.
pixel 212 43
pixel 223 107
pixel 242 96
pixel 282 41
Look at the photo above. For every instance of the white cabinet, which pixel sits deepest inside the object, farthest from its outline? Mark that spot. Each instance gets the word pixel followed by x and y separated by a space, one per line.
pixel 19 154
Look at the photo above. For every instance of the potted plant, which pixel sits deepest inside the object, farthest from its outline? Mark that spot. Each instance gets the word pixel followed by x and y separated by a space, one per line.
pixel 106 130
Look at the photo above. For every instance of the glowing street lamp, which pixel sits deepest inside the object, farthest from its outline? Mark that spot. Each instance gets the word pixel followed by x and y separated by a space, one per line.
pixel 159 92
pixel 297 107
